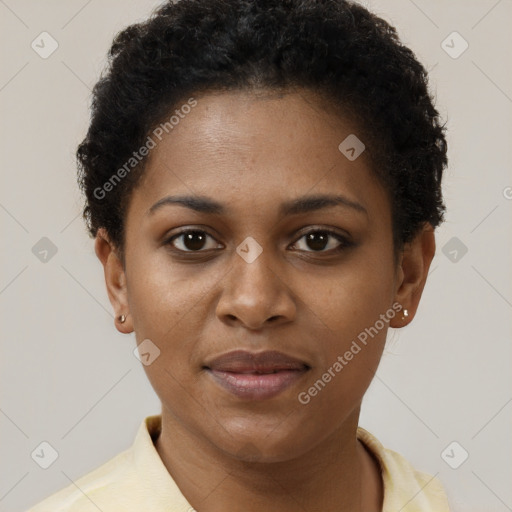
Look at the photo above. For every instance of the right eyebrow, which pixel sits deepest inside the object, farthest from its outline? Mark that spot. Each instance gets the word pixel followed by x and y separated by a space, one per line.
pixel 198 203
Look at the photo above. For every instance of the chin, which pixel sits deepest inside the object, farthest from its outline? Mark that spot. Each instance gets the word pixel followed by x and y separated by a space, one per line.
pixel 255 443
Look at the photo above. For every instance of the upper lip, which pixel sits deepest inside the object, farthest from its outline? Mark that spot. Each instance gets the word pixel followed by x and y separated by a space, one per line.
pixel 242 361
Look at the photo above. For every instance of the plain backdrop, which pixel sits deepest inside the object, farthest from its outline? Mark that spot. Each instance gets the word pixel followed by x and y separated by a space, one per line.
pixel 70 379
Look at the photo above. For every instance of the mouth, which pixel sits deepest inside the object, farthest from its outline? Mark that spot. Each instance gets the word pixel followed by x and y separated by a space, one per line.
pixel 256 376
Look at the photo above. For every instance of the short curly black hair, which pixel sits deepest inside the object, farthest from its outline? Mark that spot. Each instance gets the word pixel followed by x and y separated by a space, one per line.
pixel 336 49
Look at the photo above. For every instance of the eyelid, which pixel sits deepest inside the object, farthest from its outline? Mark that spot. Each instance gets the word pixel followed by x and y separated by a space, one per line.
pixel 324 229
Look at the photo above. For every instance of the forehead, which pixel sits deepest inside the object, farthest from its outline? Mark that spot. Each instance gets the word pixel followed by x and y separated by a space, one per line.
pixel 245 147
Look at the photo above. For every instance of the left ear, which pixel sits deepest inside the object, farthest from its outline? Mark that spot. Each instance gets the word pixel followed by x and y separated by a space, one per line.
pixel 412 273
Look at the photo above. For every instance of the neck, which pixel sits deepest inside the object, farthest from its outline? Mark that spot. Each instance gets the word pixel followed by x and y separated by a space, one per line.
pixel 338 475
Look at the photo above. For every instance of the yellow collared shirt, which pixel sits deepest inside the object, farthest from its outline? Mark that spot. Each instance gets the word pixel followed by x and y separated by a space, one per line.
pixel 137 480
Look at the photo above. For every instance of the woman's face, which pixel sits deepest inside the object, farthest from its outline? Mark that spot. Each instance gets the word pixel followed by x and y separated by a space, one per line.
pixel 291 252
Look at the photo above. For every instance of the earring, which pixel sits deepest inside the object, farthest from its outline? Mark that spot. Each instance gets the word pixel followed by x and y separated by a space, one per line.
pixel 121 318
pixel 405 315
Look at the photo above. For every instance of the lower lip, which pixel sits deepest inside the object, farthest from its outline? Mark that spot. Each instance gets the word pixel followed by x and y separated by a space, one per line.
pixel 251 386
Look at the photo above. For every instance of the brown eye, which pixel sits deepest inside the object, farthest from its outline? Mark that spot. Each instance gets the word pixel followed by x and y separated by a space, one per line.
pixel 321 241
pixel 193 241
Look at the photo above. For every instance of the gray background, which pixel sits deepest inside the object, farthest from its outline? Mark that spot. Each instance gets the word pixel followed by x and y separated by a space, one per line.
pixel 69 378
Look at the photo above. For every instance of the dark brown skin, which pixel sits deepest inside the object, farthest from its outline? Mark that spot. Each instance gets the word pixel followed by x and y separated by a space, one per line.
pixel 251 154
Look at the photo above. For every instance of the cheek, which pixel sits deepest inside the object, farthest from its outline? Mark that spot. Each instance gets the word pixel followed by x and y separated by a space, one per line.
pixel 351 297
pixel 354 306
pixel 162 296
pixel 350 358
pixel 166 304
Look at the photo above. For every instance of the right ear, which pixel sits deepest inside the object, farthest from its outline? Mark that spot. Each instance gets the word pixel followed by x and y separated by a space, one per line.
pixel 115 279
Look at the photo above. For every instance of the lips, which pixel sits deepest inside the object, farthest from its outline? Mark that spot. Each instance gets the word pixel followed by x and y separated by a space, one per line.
pixel 256 376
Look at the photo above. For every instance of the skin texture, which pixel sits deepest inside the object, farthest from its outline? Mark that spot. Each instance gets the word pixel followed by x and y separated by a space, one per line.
pixel 251 153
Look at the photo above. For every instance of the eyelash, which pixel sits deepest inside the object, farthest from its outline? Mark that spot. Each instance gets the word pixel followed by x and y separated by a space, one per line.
pixel 345 243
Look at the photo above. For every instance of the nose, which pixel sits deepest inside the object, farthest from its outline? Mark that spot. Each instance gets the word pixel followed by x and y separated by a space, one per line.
pixel 255 296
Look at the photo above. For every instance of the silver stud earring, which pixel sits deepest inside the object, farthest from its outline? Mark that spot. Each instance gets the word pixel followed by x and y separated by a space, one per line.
pixel 405 315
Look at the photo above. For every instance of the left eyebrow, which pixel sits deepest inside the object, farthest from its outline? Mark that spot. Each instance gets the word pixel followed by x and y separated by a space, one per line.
pixel 300 205
pixel 306 204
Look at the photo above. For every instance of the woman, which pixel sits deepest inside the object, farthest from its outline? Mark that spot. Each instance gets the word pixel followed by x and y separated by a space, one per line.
pixel 263 181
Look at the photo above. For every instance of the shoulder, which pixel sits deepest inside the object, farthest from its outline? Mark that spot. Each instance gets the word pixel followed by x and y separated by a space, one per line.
pixel 135 479
pixel 405 488
pixel 89 492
